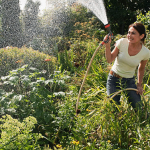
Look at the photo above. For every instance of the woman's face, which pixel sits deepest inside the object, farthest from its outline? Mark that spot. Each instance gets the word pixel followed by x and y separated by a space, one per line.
pixel 134 36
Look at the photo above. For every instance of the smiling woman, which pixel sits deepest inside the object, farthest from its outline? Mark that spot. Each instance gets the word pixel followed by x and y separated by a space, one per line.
pixel 129 54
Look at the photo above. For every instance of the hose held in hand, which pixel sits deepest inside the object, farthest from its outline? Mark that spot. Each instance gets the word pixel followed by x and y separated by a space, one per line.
pixel 107 27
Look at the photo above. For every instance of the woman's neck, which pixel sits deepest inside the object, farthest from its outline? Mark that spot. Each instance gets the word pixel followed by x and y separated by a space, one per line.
pixel 136 45
pixel 134 48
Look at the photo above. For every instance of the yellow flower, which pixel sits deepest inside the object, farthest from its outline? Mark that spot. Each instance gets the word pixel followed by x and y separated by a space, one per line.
pixel 109 141
pixel 88 110
pixel 78 31
pixel 82 24
pixel 58 146
pixel 75 142
pixel 84 34
pixel 19 61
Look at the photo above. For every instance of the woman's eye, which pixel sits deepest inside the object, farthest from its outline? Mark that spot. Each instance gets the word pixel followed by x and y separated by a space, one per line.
pixel 131 32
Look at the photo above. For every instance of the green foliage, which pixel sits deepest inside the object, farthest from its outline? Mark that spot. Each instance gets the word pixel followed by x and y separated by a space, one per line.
pixel 122 13
pixel 13 57
pixel 26 93
pixel 145 19
pixel 80 54
pixel 18 135
pixel 98 75
pixel 81 46
pixel 101 126
pixel 44 101
pixel 25 82
pixel 84 30
pixel 66 61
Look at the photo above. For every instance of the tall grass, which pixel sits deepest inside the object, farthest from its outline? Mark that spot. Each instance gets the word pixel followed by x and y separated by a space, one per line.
pixel 100 126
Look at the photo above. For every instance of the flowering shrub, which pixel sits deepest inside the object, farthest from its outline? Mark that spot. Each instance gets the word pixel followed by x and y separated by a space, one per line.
pixel 13 57
pixel 18 135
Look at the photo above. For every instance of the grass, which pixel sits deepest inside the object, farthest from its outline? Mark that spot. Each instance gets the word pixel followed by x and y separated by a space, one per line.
pixel 100 123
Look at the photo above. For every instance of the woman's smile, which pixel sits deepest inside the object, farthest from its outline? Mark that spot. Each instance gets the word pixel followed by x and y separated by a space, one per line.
pixel 133 35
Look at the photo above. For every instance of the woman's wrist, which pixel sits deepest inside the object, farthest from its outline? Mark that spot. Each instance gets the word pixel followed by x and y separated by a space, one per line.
pixel 107 46
pixel 139 84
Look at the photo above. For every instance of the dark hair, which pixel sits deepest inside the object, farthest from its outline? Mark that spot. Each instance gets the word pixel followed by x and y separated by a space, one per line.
pixel 140 28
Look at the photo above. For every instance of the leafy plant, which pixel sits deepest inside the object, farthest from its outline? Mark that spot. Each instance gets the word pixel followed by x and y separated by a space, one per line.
pixel 26 93
pixel 13 57
pixel 18 135
pixel 144 19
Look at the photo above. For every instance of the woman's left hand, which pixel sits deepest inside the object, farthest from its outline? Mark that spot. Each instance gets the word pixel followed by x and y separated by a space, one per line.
pixel 140 89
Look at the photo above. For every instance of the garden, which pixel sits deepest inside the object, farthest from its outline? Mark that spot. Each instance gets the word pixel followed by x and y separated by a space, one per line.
pixel 39 91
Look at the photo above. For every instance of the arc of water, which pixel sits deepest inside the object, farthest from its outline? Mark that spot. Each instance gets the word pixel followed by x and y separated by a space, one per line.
pixel 97 7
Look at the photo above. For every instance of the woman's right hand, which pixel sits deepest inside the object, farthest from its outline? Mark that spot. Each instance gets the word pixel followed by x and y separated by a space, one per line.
pixel 107 39
pixel 140 89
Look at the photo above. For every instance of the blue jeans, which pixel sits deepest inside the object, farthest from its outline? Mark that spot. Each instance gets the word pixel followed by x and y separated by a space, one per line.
pixel 115 84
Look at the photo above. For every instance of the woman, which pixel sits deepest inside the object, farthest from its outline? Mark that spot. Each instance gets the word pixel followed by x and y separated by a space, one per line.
pixel 129 53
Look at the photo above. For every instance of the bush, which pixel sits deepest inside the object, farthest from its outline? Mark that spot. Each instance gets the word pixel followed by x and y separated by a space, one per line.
pixel 144 19
pixel 13 57
pixel 17 135
pixel 27 93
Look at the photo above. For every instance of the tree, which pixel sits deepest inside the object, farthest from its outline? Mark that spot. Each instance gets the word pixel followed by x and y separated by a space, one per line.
pixel 31 21
pixel 121 13
pixel 11 27
pixel 1 39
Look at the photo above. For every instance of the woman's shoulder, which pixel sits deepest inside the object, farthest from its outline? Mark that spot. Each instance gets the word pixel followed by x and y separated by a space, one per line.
pixel 124 40
pixel 145 49
pixel 146 52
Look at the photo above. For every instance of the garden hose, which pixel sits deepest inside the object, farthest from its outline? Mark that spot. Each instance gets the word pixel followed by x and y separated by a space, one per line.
pixel 127 89
pixel 77 111
pixel 107 27
pixel 118 92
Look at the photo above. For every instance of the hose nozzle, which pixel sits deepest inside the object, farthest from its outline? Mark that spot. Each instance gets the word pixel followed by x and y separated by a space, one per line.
pixel 107 27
